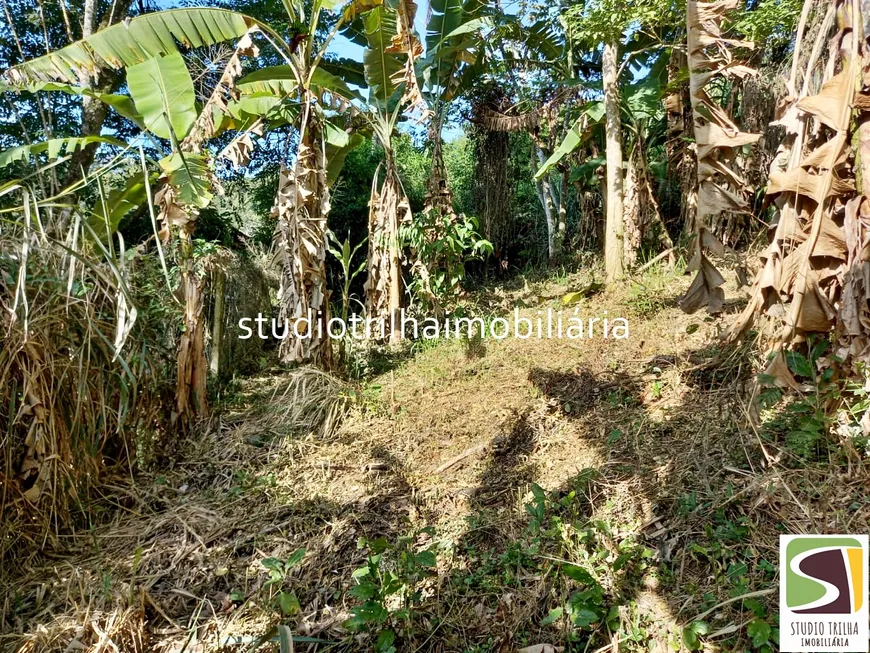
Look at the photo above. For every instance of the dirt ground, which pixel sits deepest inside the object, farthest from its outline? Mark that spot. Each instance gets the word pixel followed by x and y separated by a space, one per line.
pixel 655 481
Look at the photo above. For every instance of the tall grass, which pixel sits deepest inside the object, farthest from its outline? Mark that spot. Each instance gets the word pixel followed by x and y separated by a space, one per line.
pixel 77 397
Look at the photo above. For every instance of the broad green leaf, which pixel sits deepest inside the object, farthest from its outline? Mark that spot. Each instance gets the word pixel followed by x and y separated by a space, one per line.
pixel 119 202
pixel 55 148
pixel 552 616
pixel 273 564
pixel 338 145
pixel 579 574
pixel 576 136
pixel 163 93
pixel 363 591
pixel 798 364
pixel 189 175
pixel 134 42
pixel 690 640
pixel 452 36
pixel 288 603
pixel 295 557
pixel 759 631
pixel 380 65
pixel 584 617
pixel 573 139
pixel 349 70
pixel 643 100
pixel 326 81
pixel 357 8
pixel 276 80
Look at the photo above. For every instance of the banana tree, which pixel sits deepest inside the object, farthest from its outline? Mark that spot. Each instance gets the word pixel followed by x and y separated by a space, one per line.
pixel 389 62
pixel 454 56
pixel 162 102
pixel 318 85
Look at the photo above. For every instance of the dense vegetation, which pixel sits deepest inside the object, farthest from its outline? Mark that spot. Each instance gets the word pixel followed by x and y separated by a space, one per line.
pixel 167 173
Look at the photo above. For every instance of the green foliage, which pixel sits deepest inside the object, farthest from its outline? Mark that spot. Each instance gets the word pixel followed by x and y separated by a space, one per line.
pixel 459 162
pixel 163 93
pixel 691 633
pixel 53 148
pixel 389 585
pixel 771 24
pixel 442 244
pixel 344 253
pixel 127 44
pixel 603 21
pixel 803 423
pixel 279 570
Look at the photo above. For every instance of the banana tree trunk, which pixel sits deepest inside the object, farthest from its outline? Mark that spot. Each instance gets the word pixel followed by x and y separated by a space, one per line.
pixel 614 263
pixel 681 164
pixel 562 226
pixel 217 329
pixel 388 208
pixel 191 398
pixel 632 212
pixel 302 207
pixel 721 189
pixel 438 194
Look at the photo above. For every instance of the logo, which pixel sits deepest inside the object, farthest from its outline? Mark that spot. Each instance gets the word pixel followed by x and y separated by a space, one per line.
pixel 823 593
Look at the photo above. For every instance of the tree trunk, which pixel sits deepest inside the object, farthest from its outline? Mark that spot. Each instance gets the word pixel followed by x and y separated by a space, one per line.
pixel 190 391
pixel 438 195
pixel 613 246
pixel 94 112
pixel 632 212
pixel 545 195
pixel 562 226
pixel 388 208
pixel 217 329
pixel 302 207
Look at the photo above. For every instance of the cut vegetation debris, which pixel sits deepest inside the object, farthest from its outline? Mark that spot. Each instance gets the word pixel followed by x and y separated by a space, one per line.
pixel 541 494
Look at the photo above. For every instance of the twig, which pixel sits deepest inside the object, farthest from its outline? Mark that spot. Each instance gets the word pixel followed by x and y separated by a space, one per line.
pixel 471 451
pixel 658 258
pixel 749 595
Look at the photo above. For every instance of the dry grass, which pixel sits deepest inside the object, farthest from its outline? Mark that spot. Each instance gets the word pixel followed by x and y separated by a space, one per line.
pixel 649 432
pixel 78 387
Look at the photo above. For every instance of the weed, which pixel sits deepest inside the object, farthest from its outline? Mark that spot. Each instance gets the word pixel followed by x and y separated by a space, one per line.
pixel 279 570
pixel 389 586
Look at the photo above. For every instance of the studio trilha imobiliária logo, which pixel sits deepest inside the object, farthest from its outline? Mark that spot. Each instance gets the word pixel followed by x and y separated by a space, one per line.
pixel 823 593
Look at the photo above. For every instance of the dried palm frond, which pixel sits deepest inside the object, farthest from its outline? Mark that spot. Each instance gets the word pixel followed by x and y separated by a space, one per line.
pixel 388 208
pixel 720 187
pixel 405 41
pixel 814 274
pixel 204 127
pixel 301 208
pixel 316 402
pixel 499 122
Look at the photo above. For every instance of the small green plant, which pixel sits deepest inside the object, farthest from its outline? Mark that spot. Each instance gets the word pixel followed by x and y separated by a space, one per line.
pixel 389 586
pixel 803 423
pixel 279 570
pixel 344 253
pixel 441 245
